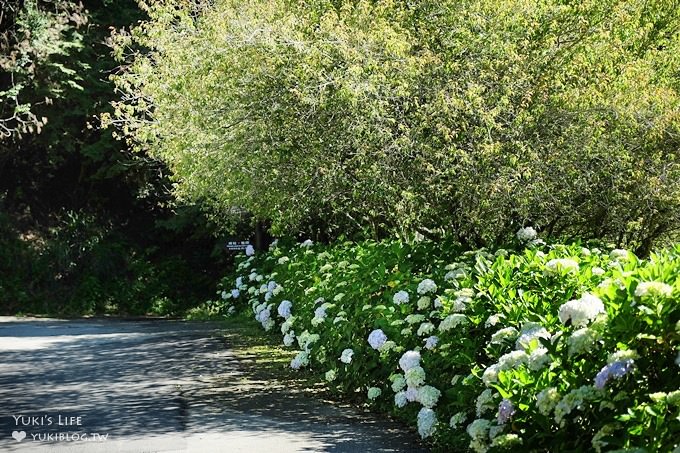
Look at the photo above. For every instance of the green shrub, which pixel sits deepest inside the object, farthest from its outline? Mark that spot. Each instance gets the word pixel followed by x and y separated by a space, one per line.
pixel 383 118
pixel 550 347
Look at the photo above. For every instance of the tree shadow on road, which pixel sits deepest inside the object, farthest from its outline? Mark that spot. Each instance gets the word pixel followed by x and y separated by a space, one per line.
pixel 151 378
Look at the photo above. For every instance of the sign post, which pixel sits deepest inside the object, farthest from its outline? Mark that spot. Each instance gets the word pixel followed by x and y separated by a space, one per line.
pixel 237 246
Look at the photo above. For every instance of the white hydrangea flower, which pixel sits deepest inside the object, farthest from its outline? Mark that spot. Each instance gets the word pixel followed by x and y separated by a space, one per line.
pixel 373 393
pixel 319 315
pixel 530 334
pixel 459 304
pixel 283 260
pixel 452 321
pixel 431 342
pixel 300 360
pixel 581 311
pixel 405 332
pixel 547 399
pixel 538 359
pixel 490 374
pixel 308 243
pixel 263 315
pixel 504 334
pixel 289 338
pixel 424 303
pixel 557 265
pixel 427 286
pixel 277 290
pixel 597 271
pixel 306 339
pixel 485 402
pixel 410 359
pixel 651 289
pixel 326 268
pixel 526 234
pixel 478 430
pixel 284 309
pixel 506 441
pixel 398 382
pixel 268 324
pixel 415 318
pixel 457 420
pixel 425 328
pixel 250 250
pixel 225 295
pixel 411 394
pixel 377 338
pixel 574 400
pixel 438 303
pixel 388 345
pixel 346 356
pixel 400 399
pixel 428 396
pixel 625 354
pixel 455 274
pixel 513 360
pixel 287 324
pixel 415 377
pixel 494 431
pixel 400 298
pixel 427 419
pixel 618 254
pixel 493 320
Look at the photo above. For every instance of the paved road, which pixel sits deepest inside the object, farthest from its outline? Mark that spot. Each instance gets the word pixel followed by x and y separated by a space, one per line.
pixel 160 386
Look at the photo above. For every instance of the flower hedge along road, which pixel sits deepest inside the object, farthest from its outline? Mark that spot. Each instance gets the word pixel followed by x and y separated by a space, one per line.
pixel 553 347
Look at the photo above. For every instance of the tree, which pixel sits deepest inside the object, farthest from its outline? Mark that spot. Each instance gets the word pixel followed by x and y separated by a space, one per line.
pixel 383 117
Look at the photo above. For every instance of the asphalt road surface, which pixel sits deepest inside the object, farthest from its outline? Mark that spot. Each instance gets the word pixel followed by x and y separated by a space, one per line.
pixel 161 386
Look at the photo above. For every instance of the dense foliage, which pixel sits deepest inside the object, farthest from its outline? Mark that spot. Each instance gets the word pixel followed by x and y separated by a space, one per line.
pixel 86 226
pixel 546 348
pixel 381 117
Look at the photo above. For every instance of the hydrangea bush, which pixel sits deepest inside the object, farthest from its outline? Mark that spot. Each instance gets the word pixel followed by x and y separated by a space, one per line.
pixel 549 347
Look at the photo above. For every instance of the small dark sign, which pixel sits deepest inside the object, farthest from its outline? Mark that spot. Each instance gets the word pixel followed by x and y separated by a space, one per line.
pixel 237 245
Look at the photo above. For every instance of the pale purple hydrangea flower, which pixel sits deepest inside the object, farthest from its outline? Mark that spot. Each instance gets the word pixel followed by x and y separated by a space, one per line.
pixel 377 339
pixel 410 359
pixel 615 370
pixel 284 309
pixel 505 411
pixel 431 342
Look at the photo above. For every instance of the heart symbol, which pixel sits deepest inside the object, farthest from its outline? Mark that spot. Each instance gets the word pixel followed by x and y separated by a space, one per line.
pixel 19 435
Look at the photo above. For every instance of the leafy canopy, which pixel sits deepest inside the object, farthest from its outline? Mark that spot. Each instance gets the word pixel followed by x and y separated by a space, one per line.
pixel 386 117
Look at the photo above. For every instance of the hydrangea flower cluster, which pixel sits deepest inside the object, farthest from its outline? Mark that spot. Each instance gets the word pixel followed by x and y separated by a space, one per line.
pixel 581 311
pixel 651 289
pixel 400 298
pixel 526 234
pixel 377 339
pixel 481 326
pixel 427 286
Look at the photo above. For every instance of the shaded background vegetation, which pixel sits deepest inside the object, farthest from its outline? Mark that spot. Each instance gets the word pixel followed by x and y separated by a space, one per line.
pixel 86 226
